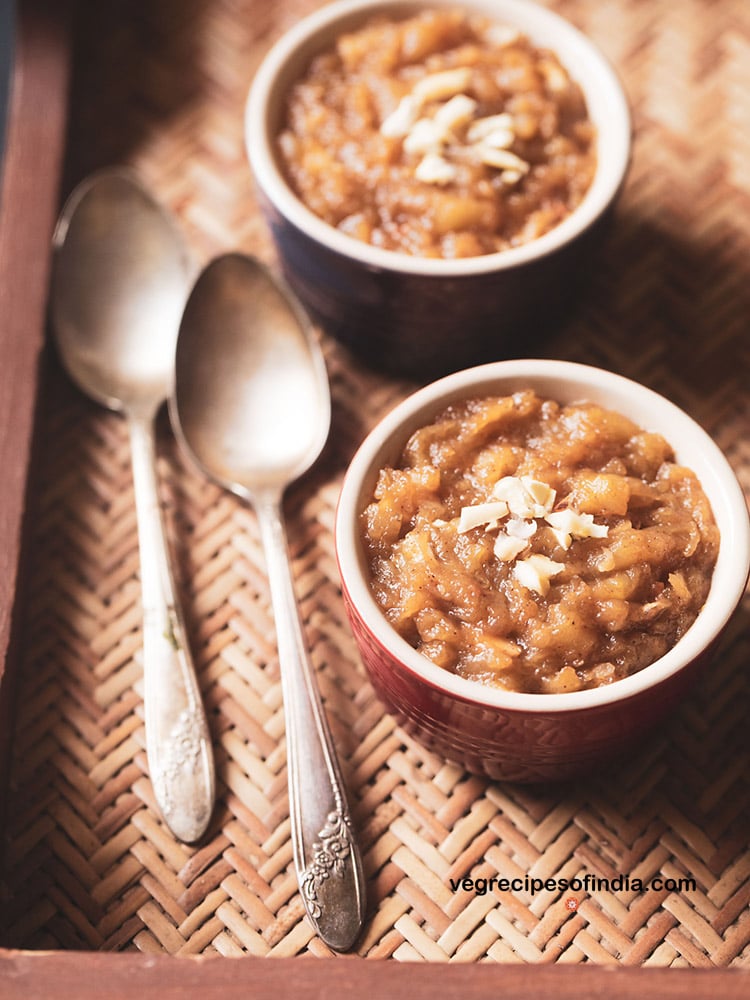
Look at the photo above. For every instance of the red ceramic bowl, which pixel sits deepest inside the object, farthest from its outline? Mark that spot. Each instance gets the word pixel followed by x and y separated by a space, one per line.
pixel 402 312
pixel 536 737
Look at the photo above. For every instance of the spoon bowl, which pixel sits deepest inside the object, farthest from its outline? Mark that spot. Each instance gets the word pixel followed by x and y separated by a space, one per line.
pixel 120 278
pixel 245 431
pixel 251 406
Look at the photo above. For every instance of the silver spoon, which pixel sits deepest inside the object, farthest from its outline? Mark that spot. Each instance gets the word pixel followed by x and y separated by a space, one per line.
pixel 119 282
pixel 252 407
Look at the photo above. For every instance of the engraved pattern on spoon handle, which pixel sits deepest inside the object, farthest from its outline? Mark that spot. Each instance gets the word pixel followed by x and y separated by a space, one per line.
pixel 327 857
pixel 178 743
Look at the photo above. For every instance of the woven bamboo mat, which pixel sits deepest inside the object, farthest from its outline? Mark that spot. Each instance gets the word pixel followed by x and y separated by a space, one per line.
pixel 89 864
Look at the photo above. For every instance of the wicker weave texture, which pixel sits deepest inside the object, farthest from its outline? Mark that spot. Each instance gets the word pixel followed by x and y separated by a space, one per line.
pixel 89 864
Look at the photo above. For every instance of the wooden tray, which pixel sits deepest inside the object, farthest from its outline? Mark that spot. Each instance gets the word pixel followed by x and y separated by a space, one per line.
pixel 88 868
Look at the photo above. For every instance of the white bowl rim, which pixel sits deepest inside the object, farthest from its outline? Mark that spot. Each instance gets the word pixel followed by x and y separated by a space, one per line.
pixel 583 56
pixel 727 499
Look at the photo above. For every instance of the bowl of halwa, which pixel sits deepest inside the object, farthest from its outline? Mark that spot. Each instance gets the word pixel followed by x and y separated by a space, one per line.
pixel 537 558
pixel 435 174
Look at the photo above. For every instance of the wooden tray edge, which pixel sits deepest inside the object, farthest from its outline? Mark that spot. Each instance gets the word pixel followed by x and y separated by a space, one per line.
pixel 72 976
pixel 37 115
pixel 28 206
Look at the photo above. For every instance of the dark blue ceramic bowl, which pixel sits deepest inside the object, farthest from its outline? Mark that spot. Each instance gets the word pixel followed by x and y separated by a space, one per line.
pixel 6 65
pixel 425 316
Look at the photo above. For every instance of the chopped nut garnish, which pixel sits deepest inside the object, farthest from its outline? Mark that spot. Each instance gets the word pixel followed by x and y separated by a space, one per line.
pixel 489 139
pixel 437 86
pixel 519 528
pixel 536 572
pixel 482 127
pixel 481 513
pixel 457 111
pixel 511 489
pixel 525 497
pixel 511 177
pixel 506 548
pixel 400 120
pixel 503 159
pixel 425 136
pixel 500 138
pixel 568 524
pixel 540 492
pixel 433 169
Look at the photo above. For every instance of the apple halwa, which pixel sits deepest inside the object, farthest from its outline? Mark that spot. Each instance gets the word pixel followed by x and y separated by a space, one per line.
pixel 539 547
pixel 440 135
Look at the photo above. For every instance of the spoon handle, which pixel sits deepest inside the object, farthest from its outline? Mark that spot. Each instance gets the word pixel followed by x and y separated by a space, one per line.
pixel 329 866
pixel 178 744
